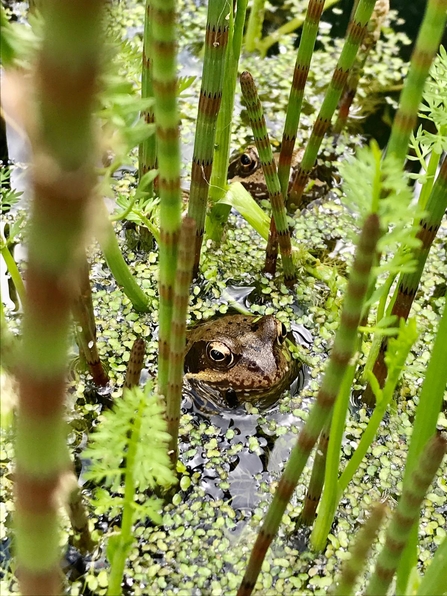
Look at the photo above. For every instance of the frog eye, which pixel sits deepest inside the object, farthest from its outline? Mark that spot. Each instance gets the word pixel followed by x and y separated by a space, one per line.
pixel 219 354
pixel 248 163
pixel 282 332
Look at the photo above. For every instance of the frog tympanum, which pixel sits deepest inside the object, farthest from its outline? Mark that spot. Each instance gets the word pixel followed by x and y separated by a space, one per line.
pixel 240 359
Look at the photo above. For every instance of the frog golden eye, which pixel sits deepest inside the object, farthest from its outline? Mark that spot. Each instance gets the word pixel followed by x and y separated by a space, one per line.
pixel 282 332
pixel 219 354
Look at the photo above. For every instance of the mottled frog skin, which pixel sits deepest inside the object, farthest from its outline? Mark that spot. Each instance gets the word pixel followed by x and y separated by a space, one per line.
pixel 246 169
pixel 240 358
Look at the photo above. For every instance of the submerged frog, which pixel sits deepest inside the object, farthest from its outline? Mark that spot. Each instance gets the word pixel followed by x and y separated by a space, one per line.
pixel 239 358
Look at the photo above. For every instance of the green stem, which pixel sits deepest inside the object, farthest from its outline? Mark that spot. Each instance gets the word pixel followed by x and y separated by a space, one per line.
pixel 266 42
pixel 178 333
pixel 342 351
pixel 427 44
pixel 218 215
pixel 135 364
pixel 209 104
pixel 353 566
pixel 356 33
pixel 259 128
pixel 380 12
pixel 316 482
pixel 426 418
pixel 164 80
pixel 118 266
pixel 14 272
pixel 254 26
pixel 433 581
pixel 301 70
pixel 381 407
pixel 66 77
pixel 329 499
pixel 406 513
pixel 126 537
pixel 82 308
pixel 147 155
pixel 409 282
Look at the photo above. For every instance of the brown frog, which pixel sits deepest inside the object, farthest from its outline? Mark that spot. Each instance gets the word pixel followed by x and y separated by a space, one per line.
pixel 246 168
pixel 240 358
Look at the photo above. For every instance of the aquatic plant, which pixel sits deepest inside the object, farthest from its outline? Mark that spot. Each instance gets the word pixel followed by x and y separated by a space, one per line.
pixel 147 155
pixel 164 80
pixel 356 32
pixel 255 41
pixel 138 416
pixel 66 80
pixel 379 14
pixel 86 326
pixel 218 214
pixel 433 199
pixel 130 444
pixel 209 104
pixel 300 72
pixel 279 228
pixel 405 514
pixel 183 277
pixel 342 351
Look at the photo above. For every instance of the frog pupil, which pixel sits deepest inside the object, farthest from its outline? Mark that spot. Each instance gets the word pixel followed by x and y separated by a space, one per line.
pixel 245 159
pixel 216 355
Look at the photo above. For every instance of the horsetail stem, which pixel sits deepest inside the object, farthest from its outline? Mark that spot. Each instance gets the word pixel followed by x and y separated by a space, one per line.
pixel 316 482
pixel 271 250
pixel 177 347
pixel 406 514
pixel 300 73
pixel 254 26
pixel 82 308
pixel 356 32
pixel 147 156
pixel 64 158
pixel 135 364
pixel 409 282
pixel 381 10
pixel 427 43
pixel 164 79
pixel 118 266
pixel 344 346
pixel 359 552
pixel 209 103
pixel 219 212
pixel 259 128
pixel 404 122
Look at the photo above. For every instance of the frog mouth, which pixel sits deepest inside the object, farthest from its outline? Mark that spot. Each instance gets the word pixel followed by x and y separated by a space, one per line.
pixel 220 397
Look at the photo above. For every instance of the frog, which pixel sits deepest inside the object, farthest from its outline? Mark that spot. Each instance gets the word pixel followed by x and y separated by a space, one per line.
pixel 246 168
pixel 240 359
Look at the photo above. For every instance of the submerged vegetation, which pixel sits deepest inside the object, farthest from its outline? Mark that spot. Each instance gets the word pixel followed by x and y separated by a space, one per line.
pixel 176 500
